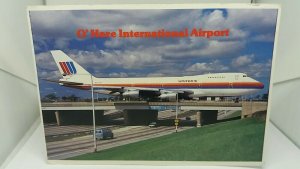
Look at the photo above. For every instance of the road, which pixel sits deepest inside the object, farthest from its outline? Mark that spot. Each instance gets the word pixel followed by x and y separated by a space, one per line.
pixel 72 140
pixel 68 141
pixel 124 135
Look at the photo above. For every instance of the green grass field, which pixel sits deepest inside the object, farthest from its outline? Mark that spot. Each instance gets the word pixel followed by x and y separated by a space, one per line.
pixel 239 140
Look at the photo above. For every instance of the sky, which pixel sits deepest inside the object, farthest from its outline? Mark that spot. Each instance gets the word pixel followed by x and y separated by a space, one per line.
pixel 248 49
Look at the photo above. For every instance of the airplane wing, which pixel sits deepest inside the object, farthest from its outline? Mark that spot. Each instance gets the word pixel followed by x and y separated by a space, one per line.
pixel 147 92
pixel 126 88
pixel 132 91
pixel 63 82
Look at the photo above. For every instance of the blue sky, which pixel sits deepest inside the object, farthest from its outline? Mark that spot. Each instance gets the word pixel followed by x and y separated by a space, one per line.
pixel 249 48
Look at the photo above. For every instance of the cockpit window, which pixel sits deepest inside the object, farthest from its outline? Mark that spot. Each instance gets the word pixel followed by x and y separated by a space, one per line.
pixel 244 75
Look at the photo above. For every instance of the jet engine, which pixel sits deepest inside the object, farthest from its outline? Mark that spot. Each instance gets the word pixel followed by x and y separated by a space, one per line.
pixel 168 96
pixel 131 94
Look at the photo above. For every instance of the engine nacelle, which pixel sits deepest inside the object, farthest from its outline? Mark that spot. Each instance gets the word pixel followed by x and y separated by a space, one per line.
pixel 197 95
pixel 131 94
pixel 168 96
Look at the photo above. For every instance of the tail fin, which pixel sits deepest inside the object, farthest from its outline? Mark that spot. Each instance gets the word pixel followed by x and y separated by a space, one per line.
pixel 66 65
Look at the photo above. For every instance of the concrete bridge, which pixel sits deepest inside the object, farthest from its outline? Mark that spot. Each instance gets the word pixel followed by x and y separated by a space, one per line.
pixel 142 112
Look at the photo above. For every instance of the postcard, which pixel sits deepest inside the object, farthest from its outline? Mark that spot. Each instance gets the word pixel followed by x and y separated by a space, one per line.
pixel 153 83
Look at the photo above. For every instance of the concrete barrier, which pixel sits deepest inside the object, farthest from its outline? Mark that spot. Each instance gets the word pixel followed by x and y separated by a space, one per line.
pixel 249 108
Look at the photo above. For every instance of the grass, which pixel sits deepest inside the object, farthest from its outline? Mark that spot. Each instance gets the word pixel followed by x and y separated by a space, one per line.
pixel 240 140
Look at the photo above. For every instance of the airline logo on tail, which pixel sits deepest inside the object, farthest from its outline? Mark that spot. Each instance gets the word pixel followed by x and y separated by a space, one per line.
pixel 68 68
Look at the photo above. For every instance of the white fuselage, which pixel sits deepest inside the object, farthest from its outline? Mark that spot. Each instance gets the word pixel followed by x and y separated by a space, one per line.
pixel 218 84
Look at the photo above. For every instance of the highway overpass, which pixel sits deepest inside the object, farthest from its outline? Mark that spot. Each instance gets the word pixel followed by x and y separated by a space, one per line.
pixel 147 111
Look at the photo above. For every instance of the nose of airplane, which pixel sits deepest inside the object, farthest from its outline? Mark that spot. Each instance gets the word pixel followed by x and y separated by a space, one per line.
pixel 260 85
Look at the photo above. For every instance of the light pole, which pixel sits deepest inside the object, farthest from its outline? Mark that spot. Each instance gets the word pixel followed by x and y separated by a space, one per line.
pixel 251 103
pixel 176 116
pixel 94 120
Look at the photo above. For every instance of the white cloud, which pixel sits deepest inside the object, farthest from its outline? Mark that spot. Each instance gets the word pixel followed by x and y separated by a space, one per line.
pixel 260 69
pixel 264 38
pixel 115 58
pixel 222 48
pixel 47 68
pixel 61 43
pixel 51 75
pixel 45 61
pixel 199 67
pixel 242 60
pixel 215 20
pixel 215 66
pixel 156 75
pixel 40 44
pixel 255 20
pixel 121 74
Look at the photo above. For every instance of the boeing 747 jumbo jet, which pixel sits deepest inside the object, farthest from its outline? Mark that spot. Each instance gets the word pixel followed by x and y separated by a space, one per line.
pixel 165 88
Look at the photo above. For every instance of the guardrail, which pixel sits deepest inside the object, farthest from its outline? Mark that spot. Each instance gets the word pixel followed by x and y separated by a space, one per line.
pixel 144 103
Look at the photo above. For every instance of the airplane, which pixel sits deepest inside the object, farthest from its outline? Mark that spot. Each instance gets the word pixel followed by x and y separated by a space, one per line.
pixel 162 88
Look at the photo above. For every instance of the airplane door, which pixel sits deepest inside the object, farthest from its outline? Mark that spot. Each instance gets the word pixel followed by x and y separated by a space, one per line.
pixel 236 77
pixel 230 85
